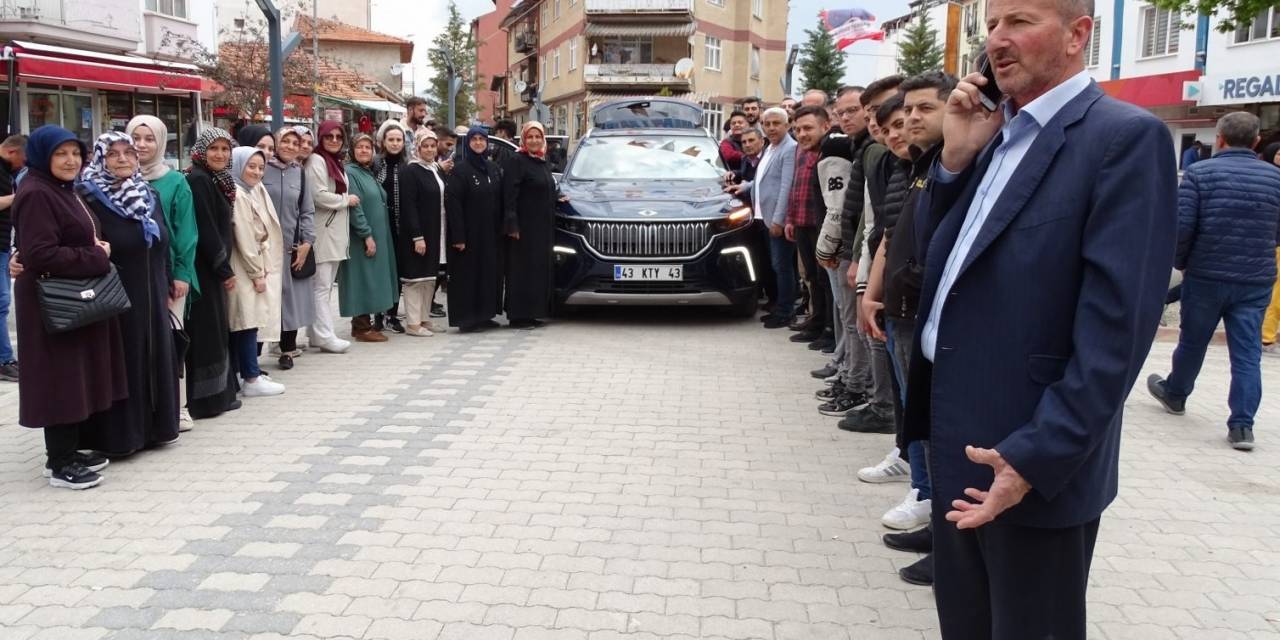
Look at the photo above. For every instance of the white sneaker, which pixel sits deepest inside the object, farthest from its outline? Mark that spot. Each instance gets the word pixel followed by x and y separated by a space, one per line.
pixel 911 513
pixel 261 387
pixel 185 423
pixel 892 469
pixel 337 345
pixel 420 331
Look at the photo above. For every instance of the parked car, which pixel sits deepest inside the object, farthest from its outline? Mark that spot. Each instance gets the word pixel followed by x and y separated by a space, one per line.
pixel 647 221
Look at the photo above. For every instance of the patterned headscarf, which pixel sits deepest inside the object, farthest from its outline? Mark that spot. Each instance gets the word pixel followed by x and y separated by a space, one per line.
pixel 533 124
pixel 155 168
pixel 424 133
pixel 351 151
pixel 279 136
pixel 199 158
pixel 130 198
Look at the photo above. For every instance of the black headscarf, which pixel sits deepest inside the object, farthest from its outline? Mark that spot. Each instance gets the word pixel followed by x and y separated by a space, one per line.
pixel 1269 153
pixel 250 135
pixel 476 160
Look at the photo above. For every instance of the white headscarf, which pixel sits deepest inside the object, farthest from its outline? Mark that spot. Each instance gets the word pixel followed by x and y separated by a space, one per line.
pixel 155 168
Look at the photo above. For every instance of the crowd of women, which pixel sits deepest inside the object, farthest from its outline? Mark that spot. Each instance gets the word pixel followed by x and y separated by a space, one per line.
pixel 243 250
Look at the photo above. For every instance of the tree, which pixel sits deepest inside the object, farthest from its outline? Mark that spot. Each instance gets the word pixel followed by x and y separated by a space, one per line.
pixel 456 39
pixel 821 64
pixel 919 51
pixel 1231 14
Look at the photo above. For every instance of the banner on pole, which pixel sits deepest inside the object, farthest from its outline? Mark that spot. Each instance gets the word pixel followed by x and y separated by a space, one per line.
pixel 848 26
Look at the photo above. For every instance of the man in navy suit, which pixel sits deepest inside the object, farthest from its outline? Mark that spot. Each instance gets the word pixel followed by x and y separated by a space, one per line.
pixel 1047 233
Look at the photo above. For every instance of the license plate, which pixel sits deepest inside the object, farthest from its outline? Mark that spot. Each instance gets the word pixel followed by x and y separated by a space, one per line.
pixel 648 273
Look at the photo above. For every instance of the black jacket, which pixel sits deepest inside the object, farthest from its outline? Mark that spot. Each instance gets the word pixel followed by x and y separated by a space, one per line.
pixel 6 214
pixel 855 196
pixel 903 273
pixel 897 176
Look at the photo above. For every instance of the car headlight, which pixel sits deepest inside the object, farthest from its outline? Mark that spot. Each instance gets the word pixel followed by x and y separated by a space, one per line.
pixel 735 219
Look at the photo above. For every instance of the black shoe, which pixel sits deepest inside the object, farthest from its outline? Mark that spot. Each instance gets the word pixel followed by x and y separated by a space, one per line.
pixel 91 461
pixel 378 322
pixel 1155 386
pixel 774 322
pixel 394 324
pixel 829 350
pixel 824 373
pixel 867 423
pixel 8 370
pixel 918 541
pixel 806 336
pixel 1241 439
pixel 520 324
pixel 822 343
pixel 921 572
pixel 471 328
pixel 285 362
pixel 73 475
pixel 490 324
pixel 235 404
pixel 841 404
pixel 437 310
pixel 828 393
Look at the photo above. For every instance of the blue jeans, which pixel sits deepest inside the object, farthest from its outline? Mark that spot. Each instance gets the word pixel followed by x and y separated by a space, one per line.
pixel 900 334
pixel 782 254
pixel 6 347
pixel 1241 308
pixel 244 348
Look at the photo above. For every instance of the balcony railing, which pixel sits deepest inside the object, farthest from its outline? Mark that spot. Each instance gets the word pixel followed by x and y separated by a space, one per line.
pixel 639 6
pixel 632 74
pixel 24 10
pixel 526 42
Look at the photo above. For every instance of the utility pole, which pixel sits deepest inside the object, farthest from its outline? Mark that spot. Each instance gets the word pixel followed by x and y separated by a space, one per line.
pixel 455 83
pixel 275 51
pixel 791 65
pixel 315 57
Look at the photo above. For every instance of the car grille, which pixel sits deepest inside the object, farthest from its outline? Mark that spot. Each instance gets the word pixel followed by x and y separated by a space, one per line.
pixel 648 239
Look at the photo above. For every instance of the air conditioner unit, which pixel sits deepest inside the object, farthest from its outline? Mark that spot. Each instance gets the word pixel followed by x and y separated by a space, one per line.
pixel 28 13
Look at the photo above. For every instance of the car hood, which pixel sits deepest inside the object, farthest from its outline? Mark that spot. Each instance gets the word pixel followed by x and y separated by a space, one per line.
pixel 625 200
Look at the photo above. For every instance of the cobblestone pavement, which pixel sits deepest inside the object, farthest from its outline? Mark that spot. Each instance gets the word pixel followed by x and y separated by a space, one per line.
pixel 641 475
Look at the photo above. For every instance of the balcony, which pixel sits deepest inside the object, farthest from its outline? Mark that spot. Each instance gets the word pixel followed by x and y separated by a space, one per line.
pixel 633 76
pixel 168 37
pixel 647 8
pixel 73 23
pixel 526 42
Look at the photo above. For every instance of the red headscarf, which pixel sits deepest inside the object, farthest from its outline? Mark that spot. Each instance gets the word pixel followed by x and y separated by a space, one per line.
pixel 333 161
pixel 533 124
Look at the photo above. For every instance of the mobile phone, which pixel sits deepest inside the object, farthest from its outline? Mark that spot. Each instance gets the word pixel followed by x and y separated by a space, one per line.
pixel 989 94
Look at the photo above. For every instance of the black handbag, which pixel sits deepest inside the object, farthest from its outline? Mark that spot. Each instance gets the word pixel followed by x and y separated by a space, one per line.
pixel 67 304
pixel 308 268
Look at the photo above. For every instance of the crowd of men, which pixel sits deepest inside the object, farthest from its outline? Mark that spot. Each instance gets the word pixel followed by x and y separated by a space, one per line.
pixel 1047 228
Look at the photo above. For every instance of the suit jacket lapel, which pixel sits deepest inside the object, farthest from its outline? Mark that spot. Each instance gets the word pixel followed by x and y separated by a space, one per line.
pixel 1030 173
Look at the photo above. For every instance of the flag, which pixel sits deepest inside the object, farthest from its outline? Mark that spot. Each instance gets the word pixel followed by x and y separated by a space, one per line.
pixel 848 26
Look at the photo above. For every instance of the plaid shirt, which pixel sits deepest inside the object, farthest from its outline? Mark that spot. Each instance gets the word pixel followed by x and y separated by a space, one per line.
pixel 804 205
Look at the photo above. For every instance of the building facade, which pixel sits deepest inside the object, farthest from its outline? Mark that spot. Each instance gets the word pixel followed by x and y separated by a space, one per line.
pixel 947 20
pixel 491 59
pixel 234 15
pixel 566 56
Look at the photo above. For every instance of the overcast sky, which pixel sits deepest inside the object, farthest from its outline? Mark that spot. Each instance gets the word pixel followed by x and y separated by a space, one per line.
pixel 389 16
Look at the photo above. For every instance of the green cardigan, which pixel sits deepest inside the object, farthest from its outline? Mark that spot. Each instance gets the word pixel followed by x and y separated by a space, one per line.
pixel 180 219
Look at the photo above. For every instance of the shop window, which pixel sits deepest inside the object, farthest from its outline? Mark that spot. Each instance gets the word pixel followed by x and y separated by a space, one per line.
pixel 144 104
pixel 43 108
pixel 119 110
pixel 169 116
pixel 77 116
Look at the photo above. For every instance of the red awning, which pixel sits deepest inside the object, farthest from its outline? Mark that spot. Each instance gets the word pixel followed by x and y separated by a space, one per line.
pixel 1162 90
pixel 60 65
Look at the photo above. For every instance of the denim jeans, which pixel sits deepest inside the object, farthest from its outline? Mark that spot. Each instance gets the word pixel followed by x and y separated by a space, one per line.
pixel 901 334
pixel 1241 308
pixel 244 348
pixel 782 254
pixel 6 346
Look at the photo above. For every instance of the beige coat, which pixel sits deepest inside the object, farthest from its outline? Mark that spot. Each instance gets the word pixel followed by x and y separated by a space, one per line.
pixel 333 235
pixel 257 251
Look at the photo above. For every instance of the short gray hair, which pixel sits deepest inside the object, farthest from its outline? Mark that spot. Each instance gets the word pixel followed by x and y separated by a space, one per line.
pixel 756 130
pixel 776 111
pixel 1072 9
pixel 1239 129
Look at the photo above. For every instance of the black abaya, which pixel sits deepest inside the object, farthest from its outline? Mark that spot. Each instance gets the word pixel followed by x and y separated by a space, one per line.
pixel 419 218
pixel 473 202
pixel 529 192
pixel 211 384
pixel 149 416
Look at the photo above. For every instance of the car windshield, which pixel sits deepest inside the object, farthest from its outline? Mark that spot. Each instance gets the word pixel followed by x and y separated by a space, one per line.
pixel 648 157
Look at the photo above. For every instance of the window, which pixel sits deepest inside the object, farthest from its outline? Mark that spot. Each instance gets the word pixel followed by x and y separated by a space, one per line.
pixel 713 118
pixel 757 8
pixel 555 11
pixel 562 120
pixel 1093 48
pixel 573 54
pixel 1264 27
pixel 555 63
pixel 626 49
pixel 175 8
pixel 718 3
pixel 1160 31
pixel 713 53
pixel 755 62
pixel 543 77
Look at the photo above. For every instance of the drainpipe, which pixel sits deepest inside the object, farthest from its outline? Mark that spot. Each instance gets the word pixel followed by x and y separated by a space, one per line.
pixel 1202 42
pixel 272 14
pixel 11 69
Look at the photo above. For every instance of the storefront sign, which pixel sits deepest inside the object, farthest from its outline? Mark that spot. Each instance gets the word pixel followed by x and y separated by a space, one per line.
pixel 1240 89
pixel 334 115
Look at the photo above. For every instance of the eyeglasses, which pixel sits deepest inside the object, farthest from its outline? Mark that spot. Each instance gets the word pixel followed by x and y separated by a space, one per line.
pixel 334 136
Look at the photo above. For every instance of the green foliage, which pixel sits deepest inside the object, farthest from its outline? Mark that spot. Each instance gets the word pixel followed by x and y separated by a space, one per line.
pixel 1231 14
pixel 919 50
pixel 821 64
pixel 456 39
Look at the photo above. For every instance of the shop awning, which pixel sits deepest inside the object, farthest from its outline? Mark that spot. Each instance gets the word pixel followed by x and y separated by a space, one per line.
pixel 1160 90
pixel 61 65
pixel 656 30
pixel 381 105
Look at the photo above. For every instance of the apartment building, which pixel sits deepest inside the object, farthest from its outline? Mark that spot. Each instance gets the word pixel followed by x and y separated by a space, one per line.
pixel 566 56
pixel 946 18
pixel 233 15
pixel 491 58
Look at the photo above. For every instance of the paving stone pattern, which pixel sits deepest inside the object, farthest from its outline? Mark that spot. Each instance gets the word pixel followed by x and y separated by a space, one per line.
pixel 637 475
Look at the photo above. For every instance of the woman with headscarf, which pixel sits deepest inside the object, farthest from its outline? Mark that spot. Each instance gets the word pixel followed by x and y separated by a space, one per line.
pixel 257 249
pixel 150 137
pixel 306 145
pixel 131 219
pixel 473 200
pixel 68 378
pixel 285 182
pixel 392 138
pixel 421 245
pixel 258 136
pixel 530 196
pixel 367 281
pixel 327 179
pixel 211 382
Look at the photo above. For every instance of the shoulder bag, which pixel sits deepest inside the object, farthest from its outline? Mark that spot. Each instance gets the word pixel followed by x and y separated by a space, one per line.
pixel 67 304
pixel 308 267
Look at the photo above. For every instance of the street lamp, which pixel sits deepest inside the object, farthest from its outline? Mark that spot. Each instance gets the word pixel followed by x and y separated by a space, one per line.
pixel 275 51
pixel 455 83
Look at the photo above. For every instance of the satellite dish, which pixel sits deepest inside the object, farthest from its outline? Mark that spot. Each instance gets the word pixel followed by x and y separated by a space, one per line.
pixel 521 86
pixel 684 68
pixel 397 69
